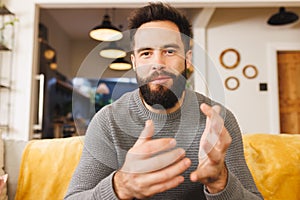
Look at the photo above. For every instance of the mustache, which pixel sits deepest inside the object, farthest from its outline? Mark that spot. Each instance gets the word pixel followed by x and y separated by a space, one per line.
pixel 158 70
pixel 153 76
pixel 156 74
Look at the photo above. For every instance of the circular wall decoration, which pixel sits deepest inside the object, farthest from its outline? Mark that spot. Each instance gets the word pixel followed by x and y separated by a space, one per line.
pixel 232 83
pixel 250 71
pixel 230 58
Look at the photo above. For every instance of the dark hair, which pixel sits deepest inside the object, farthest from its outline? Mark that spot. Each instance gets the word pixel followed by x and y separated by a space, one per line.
pixel 159 12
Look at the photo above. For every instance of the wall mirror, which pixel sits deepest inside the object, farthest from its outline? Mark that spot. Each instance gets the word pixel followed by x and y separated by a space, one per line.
pixel 229 58
pixel 232 83
pixel 250 71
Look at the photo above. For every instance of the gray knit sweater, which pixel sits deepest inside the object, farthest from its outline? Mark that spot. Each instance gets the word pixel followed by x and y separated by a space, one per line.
pixel 116 127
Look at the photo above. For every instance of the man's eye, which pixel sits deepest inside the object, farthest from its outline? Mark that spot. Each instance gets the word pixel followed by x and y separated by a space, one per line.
pixel 145 54
pixel 170 51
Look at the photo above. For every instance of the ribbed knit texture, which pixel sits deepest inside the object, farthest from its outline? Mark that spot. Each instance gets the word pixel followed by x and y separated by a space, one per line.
pixel 115 129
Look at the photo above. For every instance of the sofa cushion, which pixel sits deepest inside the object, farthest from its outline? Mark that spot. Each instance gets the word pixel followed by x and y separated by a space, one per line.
pixel 47 167
pixel 274 161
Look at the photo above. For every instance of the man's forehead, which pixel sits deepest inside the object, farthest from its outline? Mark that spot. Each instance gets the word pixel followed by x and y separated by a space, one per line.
pixel 156 38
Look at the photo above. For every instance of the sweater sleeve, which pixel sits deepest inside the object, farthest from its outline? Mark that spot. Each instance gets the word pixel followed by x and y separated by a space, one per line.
pixel 240 184
pixel 93 177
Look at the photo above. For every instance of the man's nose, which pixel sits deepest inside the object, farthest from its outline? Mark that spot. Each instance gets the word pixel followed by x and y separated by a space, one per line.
pixel 159 61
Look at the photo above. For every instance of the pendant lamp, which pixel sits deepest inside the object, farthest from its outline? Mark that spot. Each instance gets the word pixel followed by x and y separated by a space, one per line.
pixel 49 52
pixel 53 64
pixel 112 51
pixel 282 18
pixel 106 31
pixel 120 64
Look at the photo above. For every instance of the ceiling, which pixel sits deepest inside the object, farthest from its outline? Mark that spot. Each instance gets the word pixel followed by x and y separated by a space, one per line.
pixel 77 22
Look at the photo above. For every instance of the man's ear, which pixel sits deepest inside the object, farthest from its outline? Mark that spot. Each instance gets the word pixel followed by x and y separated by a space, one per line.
pixel 132 58
pixel 188 56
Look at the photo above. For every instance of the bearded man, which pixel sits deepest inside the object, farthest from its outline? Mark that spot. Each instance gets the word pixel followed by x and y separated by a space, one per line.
pixel 162 141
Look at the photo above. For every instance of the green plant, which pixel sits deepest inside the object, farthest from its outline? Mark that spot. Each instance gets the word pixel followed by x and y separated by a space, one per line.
pixel 11 22
pixel 5 24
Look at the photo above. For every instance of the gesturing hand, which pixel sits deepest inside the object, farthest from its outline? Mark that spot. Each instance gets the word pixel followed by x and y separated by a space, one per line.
pixel 211 170
pixel 151 166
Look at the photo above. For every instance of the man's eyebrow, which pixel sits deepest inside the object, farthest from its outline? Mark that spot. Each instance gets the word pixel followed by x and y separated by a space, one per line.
pixel 143 49
pixel 176 46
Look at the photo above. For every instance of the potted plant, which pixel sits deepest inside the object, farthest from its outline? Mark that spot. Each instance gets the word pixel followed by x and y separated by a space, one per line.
pixel 11 22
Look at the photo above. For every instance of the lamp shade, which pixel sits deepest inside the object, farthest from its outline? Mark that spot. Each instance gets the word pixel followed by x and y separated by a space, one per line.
pixel 112 51
pixel 53 63
pixel 106 31
pixel 282 18
pixel 49 52
pixel 120 64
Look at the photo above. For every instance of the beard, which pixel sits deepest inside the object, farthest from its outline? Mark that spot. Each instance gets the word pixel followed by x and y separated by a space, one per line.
pixel 162 97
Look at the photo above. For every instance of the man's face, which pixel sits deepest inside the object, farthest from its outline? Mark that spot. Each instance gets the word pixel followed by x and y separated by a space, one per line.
pixel 160 63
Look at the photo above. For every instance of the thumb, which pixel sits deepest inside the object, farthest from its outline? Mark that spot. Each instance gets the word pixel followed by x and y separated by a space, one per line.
pixel 147 133
pixel 194 176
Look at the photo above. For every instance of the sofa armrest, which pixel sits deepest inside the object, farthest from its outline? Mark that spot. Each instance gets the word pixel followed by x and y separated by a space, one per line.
pixel 47 167
pixel 13 150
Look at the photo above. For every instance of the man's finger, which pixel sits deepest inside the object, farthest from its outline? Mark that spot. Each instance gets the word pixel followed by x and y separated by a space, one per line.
pixel 156 162
pixel 176 169
pixel 217 109
pixel 224 141
pixel 209 110
pixel 205 148
pixel 147 133
pixel 153 146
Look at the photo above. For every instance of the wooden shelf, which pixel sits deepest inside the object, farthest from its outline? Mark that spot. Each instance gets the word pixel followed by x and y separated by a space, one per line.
pixel 4 86
pixel 4 126
pixel 4 48
pixel 5 11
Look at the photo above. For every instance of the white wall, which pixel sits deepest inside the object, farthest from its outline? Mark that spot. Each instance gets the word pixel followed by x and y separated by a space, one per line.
pixel 246 31
pixel 22 68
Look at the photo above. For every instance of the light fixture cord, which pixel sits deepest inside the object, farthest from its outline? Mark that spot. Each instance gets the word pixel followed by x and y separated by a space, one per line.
pixel 113 15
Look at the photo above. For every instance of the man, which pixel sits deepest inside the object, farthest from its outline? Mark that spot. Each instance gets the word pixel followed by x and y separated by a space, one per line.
pixel 162 141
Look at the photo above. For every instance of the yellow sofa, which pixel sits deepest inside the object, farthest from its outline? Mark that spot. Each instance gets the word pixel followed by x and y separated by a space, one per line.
pixel 47 166
pixel 274 161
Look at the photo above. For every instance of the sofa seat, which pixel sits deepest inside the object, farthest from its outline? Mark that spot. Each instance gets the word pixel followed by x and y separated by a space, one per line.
pixel 47 166
pixel 274 161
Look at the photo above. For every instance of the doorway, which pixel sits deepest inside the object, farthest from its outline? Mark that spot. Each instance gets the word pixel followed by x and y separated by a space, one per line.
pixel 60 115
pixel 289 91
